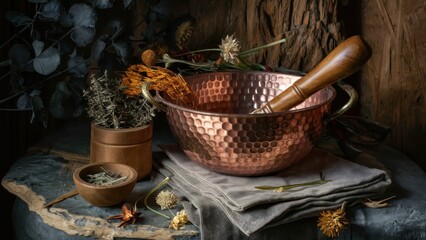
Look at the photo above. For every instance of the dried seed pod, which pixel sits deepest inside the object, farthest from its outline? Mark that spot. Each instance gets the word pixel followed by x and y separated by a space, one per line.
pixel 166 199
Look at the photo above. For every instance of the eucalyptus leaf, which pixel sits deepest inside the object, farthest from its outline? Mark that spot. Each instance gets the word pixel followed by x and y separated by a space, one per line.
pixel 65 19
pixel 126 3
pixel 97 49
pixel 64 102
pixel 51 11
pixel 77 96
pixel 38 47
pixel 20 54
pixel 18 18
pixel 16 80
pixel 74 53
pixel 102 4
pixel 82 15
pixel 47 62
pixel 122 51
pixel 83 35
pixel 5 63
pixel 79 83
pixel 24 102
pixel 39 111
pixel 77 66
pixel 61 86
pixel 35 92
pixel 117 27
pixel 66 47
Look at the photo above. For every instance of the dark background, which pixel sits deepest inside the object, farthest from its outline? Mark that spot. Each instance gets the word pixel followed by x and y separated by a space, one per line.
pixel 17 133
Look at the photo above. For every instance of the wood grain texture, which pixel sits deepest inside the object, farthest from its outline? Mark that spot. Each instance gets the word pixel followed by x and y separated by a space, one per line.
pixel 392 85
pixel 347 58
pixel 312 28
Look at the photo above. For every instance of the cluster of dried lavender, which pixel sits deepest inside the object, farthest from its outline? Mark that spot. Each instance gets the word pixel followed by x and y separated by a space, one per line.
pixel 108 106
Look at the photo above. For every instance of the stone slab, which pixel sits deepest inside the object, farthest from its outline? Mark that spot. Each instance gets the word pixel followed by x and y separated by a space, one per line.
pixel 40 178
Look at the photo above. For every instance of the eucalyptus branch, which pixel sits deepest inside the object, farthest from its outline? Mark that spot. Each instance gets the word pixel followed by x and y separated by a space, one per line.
pixel 62 37
pixel 16 34
pixel 42 81
pixel 4 76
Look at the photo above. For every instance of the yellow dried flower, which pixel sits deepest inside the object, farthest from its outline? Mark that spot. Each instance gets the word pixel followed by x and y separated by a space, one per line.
pixel 179 220
pixel 166 199
pixel 332 223
pixel 229 49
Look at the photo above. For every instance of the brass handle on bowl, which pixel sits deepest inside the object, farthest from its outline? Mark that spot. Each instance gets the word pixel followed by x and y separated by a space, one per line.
pixel 150 98
pixel 344 60
pixel 353 98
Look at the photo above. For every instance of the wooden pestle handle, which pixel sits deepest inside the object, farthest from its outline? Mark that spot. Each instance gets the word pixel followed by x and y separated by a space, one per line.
pixel 344 60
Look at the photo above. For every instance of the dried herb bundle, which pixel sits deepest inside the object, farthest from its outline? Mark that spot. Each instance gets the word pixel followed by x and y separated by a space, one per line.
pixel 108 106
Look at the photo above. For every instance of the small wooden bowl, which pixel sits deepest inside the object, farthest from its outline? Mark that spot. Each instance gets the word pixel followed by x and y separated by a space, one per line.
pixel 105 195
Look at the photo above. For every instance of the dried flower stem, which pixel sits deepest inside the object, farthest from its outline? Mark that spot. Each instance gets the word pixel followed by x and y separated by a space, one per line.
pixel 287 187
pixel 254 50
pixel 105 178
pixel 146 196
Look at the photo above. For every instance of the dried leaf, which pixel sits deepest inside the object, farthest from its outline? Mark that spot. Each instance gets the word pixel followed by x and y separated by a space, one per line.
pixel 377 203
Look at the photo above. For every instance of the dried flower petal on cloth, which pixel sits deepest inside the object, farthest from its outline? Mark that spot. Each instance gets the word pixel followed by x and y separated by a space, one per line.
pixel 377 203
pixel 166 199
pixel 179 220
pixel 332 223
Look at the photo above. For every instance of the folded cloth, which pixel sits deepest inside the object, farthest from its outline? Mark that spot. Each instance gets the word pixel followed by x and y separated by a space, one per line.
pixel 251 209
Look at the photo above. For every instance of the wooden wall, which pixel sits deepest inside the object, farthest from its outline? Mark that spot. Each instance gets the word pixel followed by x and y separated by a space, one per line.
pixel 393 82
pixel 311 27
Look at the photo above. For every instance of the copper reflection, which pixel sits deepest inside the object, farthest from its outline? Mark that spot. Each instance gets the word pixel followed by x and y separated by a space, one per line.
pixel 221 135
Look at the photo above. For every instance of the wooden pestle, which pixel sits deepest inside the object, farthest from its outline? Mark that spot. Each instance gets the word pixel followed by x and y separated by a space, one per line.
pixel 344 60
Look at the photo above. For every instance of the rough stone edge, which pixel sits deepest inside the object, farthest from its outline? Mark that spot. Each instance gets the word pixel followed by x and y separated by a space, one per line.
pixel 54 217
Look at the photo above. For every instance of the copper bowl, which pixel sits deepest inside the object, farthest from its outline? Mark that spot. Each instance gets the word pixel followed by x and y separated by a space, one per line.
pixel 222 136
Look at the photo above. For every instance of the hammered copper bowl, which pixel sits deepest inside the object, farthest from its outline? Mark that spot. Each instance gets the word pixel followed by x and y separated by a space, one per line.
pixel 105 195
pixel 222 136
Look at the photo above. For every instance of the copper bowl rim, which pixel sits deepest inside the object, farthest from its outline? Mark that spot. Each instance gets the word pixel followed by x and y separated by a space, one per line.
pixel 160 99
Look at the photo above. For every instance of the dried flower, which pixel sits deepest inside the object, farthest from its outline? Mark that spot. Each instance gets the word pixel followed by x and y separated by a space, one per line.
pixel 166 199
pixel 332 223
pixel 377 203
pixel 179 220
pixel 160 79
pixel 183 32
pixel 129 214
pixel 229 49
pixel 149 57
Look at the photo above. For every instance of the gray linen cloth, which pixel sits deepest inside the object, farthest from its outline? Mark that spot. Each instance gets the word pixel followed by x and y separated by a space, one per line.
pixel 250 209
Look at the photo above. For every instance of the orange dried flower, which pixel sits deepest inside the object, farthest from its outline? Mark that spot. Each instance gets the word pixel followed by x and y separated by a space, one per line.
pixel 332 223
pixel 160 79
pixel 149 57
